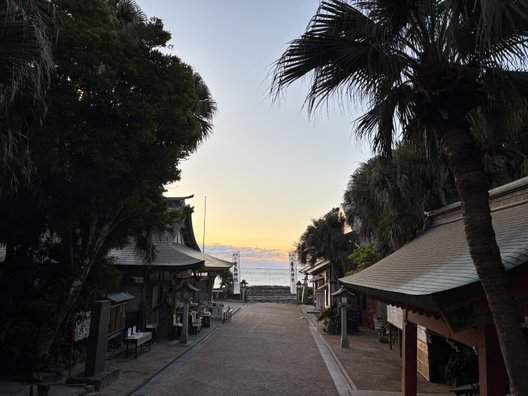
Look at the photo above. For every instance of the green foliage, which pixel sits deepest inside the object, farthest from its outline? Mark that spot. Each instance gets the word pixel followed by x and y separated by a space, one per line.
pixel 27 28
pixel 331 319
pixel 388 199
pixel 121 116
pixel 363 257
pixel 325 239
pixel 226 282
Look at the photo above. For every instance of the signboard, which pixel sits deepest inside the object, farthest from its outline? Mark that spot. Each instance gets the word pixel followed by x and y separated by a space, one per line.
pixel 81 329
pixel 293 273
pixel 236 272
pixel 395 316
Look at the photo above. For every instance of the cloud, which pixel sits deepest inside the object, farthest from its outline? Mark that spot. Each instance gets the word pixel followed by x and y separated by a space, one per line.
pixel 247 253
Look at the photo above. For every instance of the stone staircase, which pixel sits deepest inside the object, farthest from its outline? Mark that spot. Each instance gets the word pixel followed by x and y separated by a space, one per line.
pixel 276 294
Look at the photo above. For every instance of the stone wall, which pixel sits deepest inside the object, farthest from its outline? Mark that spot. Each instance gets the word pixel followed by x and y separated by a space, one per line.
pixel 277 294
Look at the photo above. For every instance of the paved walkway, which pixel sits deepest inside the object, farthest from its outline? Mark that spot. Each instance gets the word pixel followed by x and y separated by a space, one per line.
pixel 277 349
pixel 266 348
pixel 372 367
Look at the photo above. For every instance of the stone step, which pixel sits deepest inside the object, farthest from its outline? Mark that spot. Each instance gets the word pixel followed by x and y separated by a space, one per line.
pixel 278 294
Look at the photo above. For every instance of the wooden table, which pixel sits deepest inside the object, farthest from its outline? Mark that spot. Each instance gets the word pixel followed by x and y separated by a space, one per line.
pixel 138 339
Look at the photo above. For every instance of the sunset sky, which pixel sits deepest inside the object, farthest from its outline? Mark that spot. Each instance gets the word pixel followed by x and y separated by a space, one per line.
pixel 269 167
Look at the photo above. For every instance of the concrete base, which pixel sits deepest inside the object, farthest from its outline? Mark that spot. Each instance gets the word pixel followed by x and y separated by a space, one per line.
pixel 99 381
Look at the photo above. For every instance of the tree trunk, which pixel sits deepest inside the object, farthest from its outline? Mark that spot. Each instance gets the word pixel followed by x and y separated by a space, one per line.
pixel 83 253
pixel 465 161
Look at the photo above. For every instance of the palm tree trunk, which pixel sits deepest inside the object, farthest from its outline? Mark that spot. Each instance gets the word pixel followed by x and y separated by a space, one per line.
pixel 465 161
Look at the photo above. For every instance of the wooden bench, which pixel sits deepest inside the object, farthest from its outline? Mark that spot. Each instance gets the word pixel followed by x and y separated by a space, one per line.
pixel 138 340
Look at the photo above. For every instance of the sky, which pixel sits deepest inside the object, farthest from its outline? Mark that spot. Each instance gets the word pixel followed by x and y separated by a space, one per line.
pixel 269 167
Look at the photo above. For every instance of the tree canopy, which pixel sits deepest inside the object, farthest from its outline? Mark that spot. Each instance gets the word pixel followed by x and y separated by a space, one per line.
pixel 325 239
pixel 121 116
pixel 386 200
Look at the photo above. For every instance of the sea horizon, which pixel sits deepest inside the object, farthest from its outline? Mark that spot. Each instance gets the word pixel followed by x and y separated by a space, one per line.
pixel 264 274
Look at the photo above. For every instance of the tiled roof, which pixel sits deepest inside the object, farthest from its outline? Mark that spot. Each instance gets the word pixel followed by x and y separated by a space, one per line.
pixel 318 267
pixel 211 263
pixel 171 255
pixel 167 256
pixel 120 297
pixel 438 260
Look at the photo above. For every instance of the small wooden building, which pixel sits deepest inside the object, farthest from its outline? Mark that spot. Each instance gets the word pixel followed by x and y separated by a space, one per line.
pixel 324 280
pixel 118 309
pixel 434 281
pixel 158 286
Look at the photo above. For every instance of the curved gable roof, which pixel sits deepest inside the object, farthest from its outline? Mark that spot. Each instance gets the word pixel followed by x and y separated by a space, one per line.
pixel 438 261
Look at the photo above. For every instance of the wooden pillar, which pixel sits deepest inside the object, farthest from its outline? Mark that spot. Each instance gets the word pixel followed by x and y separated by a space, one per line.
pixel 409 358
pixel 492 372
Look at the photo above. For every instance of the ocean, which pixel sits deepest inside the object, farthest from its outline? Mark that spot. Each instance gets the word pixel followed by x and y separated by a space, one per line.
pixel 263 274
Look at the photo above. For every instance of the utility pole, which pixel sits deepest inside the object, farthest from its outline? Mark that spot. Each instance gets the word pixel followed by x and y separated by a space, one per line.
pixel 203 234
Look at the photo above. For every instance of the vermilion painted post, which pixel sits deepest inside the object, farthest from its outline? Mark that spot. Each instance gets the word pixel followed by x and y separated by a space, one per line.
pixel 492 372
pixel 409 359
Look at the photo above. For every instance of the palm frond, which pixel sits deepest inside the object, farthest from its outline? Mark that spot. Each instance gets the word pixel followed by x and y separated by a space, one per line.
pixel 26 27
pixel 205 107
pixel 379 121
pixel 344 50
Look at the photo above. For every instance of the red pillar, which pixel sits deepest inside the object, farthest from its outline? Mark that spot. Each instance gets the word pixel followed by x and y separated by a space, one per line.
pixel 492 372
pixel 409 359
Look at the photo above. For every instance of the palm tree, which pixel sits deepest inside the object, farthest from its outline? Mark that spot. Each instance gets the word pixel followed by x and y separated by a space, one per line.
pixel 205 107
pixel 432 72
pixel 388 200
pixel 324 239
pixel 26 65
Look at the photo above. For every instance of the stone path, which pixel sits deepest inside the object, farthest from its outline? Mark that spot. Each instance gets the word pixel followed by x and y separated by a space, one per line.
pixel 267 349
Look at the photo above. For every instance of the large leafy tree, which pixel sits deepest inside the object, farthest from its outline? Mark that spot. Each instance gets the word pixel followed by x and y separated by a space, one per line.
pixel 325 239
pixel 121 115
pixel 433 72
pixel 26 64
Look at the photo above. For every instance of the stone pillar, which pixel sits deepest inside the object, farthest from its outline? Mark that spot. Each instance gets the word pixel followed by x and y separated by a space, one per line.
pixel 184 337
pixel 98 339
pixel 492 371
pixel 344 327
pixel 409 358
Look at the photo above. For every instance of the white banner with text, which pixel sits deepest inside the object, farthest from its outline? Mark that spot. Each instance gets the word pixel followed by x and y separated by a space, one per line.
pixel 236 272
pixel 293 272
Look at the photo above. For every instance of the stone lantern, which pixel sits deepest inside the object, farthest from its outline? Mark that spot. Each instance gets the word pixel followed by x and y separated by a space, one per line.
pixel 343 295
